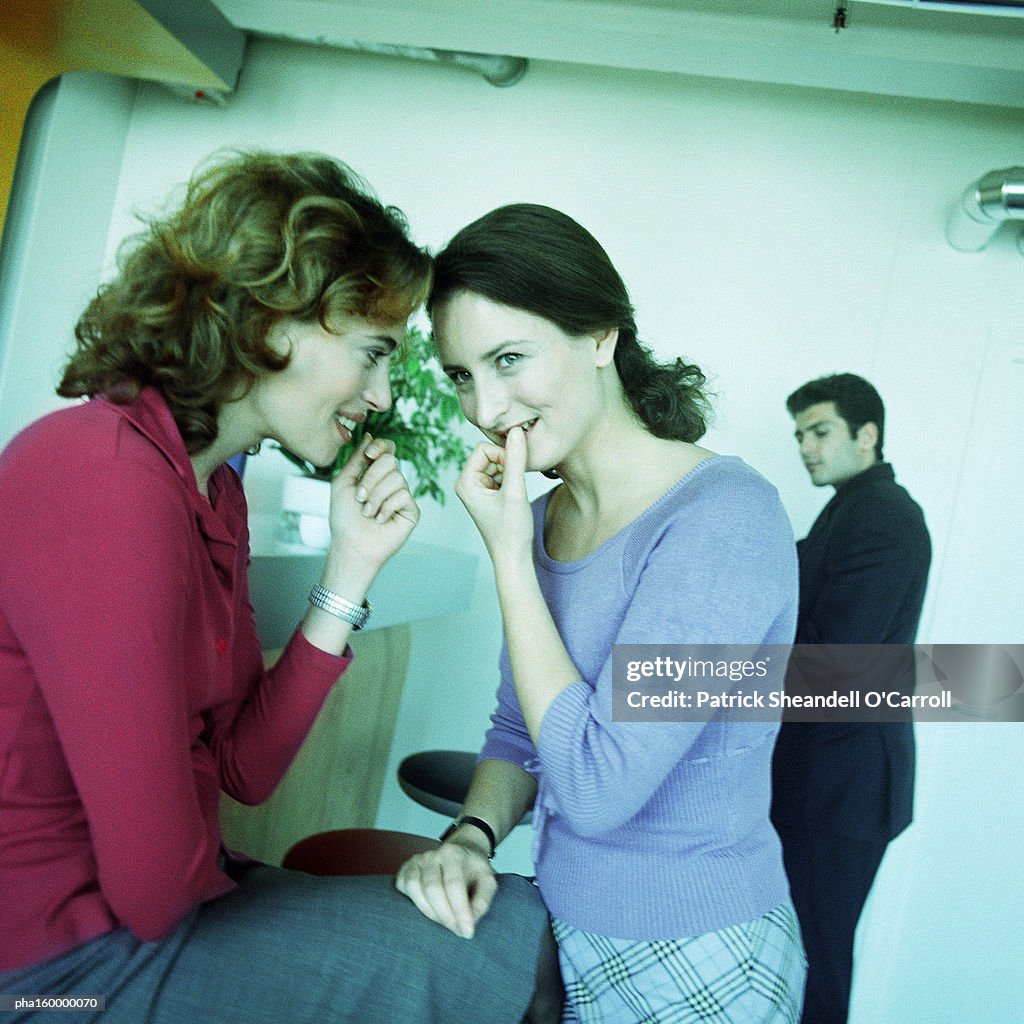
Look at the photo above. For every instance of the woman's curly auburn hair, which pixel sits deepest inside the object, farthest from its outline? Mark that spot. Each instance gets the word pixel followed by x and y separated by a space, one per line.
pixel 260 237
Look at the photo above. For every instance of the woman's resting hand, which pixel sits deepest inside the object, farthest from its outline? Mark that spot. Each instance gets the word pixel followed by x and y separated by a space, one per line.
pixel 452 885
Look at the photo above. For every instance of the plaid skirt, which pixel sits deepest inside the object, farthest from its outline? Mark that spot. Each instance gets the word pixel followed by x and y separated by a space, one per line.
pixel 750 973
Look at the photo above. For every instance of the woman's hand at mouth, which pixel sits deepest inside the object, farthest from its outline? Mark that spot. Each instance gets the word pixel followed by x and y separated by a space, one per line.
pixel 372 508
pixel 492 486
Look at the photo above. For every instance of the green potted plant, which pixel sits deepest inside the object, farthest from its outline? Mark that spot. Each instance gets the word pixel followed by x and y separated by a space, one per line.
pixel 423 422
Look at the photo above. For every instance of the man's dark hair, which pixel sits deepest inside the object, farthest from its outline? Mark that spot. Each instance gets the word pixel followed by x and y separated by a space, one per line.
pixel 856 402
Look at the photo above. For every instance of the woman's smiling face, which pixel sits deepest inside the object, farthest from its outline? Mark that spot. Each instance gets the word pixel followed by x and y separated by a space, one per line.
pixel 332 380
pixel 512 368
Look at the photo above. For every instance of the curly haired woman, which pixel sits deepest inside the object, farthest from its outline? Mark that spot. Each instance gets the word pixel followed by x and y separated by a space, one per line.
pixel 132 689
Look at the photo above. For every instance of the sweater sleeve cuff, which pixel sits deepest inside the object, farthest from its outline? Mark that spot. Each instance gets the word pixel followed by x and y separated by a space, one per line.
pixel 556 744
pixel 500 748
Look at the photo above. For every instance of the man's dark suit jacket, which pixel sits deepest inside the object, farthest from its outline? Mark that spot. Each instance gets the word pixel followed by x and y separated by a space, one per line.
pixel 863 570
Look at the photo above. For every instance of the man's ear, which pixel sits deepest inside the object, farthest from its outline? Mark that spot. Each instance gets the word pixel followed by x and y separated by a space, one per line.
pixel 867 436
pixel 606 341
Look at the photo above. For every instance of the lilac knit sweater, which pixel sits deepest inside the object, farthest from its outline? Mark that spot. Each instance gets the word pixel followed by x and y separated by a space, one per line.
pixel 659 830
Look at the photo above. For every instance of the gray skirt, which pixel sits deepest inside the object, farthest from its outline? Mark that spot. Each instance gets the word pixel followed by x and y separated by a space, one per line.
pixel 286 946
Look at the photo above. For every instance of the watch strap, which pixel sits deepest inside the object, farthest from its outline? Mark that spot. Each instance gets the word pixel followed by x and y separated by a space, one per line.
pixel 469 819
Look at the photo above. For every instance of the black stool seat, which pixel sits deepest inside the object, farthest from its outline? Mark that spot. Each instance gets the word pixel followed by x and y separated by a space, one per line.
pixel 439 779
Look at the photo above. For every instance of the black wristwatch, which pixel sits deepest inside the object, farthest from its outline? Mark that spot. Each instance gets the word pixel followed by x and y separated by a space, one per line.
pixel 468 819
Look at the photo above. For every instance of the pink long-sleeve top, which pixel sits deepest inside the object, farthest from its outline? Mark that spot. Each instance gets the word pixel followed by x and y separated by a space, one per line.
pixel 132 687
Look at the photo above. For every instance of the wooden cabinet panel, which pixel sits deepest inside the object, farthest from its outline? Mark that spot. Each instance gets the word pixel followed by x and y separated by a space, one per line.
pixel 337 776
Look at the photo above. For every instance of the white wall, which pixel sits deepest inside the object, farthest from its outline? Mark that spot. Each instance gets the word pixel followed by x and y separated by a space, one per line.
pixel 57 225
pixel 770 233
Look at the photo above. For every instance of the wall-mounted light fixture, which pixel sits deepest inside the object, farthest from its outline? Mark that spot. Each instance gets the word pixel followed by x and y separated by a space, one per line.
pixel 984 206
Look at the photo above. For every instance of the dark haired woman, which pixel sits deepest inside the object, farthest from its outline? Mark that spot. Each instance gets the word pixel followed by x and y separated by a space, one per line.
pixel 653 850
pixel 131 683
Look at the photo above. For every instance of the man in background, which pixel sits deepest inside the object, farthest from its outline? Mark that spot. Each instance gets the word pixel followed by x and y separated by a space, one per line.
pixel 842 791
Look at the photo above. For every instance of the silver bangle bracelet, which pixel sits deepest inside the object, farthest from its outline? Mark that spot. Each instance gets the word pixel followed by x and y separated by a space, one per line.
pixel 340 607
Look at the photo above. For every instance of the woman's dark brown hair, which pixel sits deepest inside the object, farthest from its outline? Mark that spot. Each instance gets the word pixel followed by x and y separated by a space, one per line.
pixel 542 261
pixel 260 237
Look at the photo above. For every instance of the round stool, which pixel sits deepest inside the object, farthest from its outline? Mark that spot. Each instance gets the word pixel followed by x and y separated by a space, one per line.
pixel 355 851
pixel 439 779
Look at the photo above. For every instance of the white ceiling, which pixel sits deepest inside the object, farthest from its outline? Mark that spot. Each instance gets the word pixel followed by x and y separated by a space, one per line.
pixel 893 49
